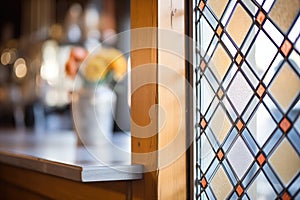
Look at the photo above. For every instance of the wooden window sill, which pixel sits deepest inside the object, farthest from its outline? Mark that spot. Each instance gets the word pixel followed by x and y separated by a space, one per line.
pixel 58 154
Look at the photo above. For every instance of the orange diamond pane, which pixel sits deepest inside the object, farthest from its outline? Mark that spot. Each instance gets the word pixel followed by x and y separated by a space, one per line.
pixel 286 47
pixel 203 123
pixel 220 154
pixel 260 90
pixel 201 5
pixel 285 196
pixel 239 125
pixel 203 182
pixel 260 17
pixel 202 65
pixel 261 159
pixel 238 59
pixel 219 31
pixel 239 190
pixel 285 125
pixel 220 93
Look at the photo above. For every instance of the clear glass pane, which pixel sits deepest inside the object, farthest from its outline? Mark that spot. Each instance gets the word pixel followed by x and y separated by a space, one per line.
pixel 239 93
pixel 261 189
pixel 208 35
pixel 240 157
pixel 261 125
pixel 207 155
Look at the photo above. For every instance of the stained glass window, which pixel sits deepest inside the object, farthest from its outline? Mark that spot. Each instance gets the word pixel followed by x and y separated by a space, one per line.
pixel 247 86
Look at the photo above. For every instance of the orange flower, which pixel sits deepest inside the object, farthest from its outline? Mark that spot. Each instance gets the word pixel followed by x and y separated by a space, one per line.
pixel 77 55
pixel 97 65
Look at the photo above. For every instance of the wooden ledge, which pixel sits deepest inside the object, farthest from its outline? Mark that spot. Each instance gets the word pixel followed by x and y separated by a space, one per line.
pixel 57 154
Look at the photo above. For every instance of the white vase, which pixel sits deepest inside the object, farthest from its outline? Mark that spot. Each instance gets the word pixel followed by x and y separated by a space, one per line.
pixel 93 110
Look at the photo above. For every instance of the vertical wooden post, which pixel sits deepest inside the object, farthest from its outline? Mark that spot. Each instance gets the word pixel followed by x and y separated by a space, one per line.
pixel 155 104
pixel 144 14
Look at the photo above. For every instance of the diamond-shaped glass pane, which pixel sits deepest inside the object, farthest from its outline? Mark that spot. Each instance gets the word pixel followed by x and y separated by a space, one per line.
pixel 261 125
pixel 220 124
pixel 285 161
pixel 207 154
pixel 239 24
pixel 261 189
pixel 240 157
pixel 220 63
pixel 262 59
pixel 285 86
pixel 248 89
pixel 208 93
pixel 208 35
pixel 239 93
pixel 218 6
pixel 221 184
pixel 284 12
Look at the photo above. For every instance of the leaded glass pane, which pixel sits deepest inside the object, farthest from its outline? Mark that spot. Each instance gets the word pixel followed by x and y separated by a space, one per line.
pixel 248 75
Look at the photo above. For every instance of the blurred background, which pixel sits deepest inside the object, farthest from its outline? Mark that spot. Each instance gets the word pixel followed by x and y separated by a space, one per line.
pixel 35 41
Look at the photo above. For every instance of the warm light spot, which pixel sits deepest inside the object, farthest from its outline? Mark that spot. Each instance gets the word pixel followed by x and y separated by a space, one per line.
pixel 5 58
pixel 51 98
pixel 56 31
pixel 91 17
pixel 21 70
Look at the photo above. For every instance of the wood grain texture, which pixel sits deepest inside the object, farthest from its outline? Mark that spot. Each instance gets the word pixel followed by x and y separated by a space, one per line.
pixel 172 180
pixel 12 192
pixel 42 185
pixel 168 180
pixel 143 53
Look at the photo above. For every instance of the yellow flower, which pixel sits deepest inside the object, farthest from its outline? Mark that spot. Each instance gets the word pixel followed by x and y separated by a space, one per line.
pixel 106 60
pixel 95 69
